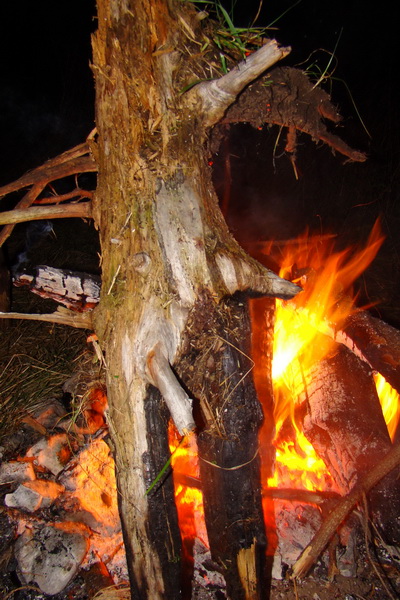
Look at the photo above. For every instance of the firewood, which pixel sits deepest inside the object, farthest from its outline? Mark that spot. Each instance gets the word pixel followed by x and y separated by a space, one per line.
pixel 342 509
pixel 345 424
pixel 376 342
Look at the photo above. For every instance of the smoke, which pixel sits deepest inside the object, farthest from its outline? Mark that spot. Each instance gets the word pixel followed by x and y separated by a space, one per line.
pixel 35 233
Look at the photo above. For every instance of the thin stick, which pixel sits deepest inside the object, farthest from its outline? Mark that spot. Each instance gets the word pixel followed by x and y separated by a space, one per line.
pixel 342 509
pixel 36 213
pixel 78 320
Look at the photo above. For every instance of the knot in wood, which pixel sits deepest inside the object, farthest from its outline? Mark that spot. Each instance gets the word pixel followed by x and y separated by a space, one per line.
pixel 141 262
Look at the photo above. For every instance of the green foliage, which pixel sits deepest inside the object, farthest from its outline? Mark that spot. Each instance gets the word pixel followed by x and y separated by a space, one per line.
pixel 232 42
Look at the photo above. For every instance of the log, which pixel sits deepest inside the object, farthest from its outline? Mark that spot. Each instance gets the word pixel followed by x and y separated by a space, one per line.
pixel 344 422
pixel 77 291
pixel 262 312
pixel 376 342
pixel 228 445
pixel 162 515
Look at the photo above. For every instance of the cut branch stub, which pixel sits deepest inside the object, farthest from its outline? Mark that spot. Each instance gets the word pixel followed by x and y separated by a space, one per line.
pixel 247 275
pixel 216 96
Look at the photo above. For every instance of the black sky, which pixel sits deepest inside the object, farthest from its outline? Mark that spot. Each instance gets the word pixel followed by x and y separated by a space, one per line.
pixel 47 96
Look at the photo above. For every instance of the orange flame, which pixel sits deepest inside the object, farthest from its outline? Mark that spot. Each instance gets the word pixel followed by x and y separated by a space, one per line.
pixel 303 336
pixel 390 402
pixel 188 496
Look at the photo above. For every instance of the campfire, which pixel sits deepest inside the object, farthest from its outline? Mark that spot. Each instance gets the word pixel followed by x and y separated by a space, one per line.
pixel 308 330
pixel 325 374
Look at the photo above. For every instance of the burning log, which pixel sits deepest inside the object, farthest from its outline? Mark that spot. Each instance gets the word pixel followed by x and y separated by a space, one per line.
pixel 228 447
pixel 345 424
pixel 376 342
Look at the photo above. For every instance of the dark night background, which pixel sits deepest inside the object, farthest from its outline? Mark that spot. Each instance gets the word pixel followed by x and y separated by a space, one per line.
pixel 47 106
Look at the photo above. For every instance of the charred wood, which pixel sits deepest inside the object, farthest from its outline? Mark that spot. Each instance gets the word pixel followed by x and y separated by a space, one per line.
pixel 76 291
pixel 345 424
pixel 376 342
pixel 228 445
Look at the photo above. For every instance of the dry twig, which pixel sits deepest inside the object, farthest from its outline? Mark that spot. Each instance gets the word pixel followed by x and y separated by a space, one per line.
pixel 342 509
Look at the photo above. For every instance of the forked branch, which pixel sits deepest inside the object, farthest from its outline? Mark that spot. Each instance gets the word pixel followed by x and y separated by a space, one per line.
pixel 72 162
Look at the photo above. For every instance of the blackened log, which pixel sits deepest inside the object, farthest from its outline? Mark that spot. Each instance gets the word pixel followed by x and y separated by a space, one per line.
pixel 228 444
pixel 163 528
pixel 262 312
pixel 375 341
pixel 345 424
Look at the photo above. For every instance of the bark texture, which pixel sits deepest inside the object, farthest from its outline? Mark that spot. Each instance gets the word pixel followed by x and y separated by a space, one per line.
pixel 167 258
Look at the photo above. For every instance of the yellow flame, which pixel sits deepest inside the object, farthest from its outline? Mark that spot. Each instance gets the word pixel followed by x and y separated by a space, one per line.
pixel 326 276
pixel 390 402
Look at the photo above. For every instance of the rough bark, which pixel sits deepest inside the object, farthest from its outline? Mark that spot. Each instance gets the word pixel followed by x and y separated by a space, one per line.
pixel 174 256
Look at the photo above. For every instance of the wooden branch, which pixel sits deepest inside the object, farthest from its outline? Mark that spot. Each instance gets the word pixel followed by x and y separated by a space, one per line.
pixel 177 400
pixel 81 210
pixel 342 509
pixel 57 198
pixel 70 162
pixel 61 316
pixel 26 201
pixel 216 96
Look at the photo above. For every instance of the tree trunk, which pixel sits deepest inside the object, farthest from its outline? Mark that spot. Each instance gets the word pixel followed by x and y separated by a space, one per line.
pixel 167 256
